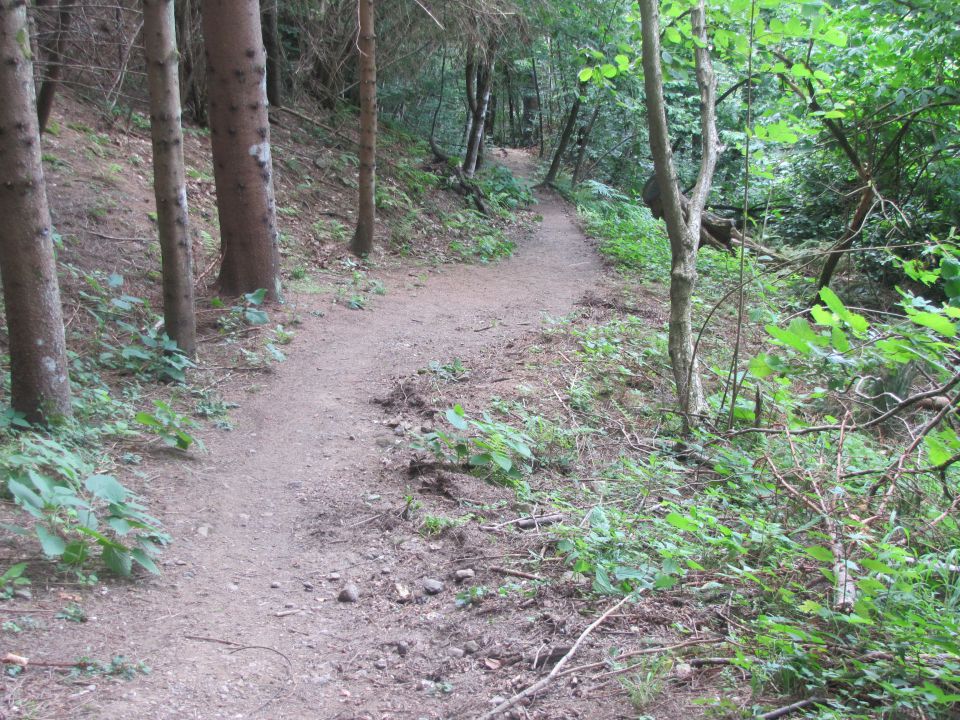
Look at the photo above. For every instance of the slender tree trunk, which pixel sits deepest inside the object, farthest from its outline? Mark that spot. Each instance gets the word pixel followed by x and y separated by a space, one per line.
pixel 853 230
pixel 366 215
pixel 54 64
pixel 536 85
pixel 190 75
pixel 511 119
pixel 271 43
pixel 478 122
pixel 583 142
pixel 40 385
pixel 436 113
pixel 564 140
pixel 684 233
pixel 470 83
pixel 240 137
pixel 169 184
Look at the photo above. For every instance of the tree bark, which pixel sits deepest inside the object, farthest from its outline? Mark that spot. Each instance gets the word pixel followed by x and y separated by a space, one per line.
pixel 582 144
pixel 169 184
pixel 366 215
pixel 54 64
pixel 682 228
pixel 240 138
pixel 564 140
pixel 191 76
pixel 271 42
pixel 536 86
pixel 481 102
pixel 40 385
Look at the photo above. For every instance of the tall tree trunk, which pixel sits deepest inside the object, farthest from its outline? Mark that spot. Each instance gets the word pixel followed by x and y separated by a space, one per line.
pixel 511 118
pixel 240 137
pixel 271 42
pixel 536 85
pixel 40 385
pixel 564 140
pixel 160 48
pixel 684 233
pixel 191 93
pixel 582 143
pixel 366 214
pixel 478 122
pixel 436 112
pixel 54 64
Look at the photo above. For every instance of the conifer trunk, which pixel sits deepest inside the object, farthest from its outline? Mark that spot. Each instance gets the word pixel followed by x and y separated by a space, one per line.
pixel 169 184
pixel 40 385
pixel 271 41
pixel 48 89
pixel 240 138
pixel 366 215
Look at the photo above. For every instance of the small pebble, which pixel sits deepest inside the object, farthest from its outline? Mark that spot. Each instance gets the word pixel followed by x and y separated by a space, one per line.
pixel 456 652
pixel 464 574
pixel 274 584
pixel 380 664
pixel 333 576
pixel 433 587
pixel 349 594
pixel 471 646
pixel 402 648
pixel 308 586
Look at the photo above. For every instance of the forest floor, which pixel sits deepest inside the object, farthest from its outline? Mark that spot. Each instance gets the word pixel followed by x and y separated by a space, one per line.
pixel 310 496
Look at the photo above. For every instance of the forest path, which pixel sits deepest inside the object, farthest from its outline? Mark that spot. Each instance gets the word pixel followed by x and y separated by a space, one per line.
pixel 273 519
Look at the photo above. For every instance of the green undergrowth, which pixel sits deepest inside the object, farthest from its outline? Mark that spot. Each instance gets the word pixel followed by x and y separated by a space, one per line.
pixel 131 391
pixel 820 537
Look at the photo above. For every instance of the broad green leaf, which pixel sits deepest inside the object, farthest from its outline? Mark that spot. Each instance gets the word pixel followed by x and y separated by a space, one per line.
pixel 455 416
pixel 106 488
pixel 680 522
pixel 53 545
pixel 818 552
pixel 608 70
pixel 585 74
pixel 118 560
pixel 936 322
pixel 877 566
pixel 145 561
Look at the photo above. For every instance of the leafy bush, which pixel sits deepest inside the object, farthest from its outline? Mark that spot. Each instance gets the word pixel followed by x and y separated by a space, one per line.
pixel 503 190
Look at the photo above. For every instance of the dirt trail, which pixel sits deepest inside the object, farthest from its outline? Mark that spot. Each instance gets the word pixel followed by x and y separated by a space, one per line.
pixel 267 519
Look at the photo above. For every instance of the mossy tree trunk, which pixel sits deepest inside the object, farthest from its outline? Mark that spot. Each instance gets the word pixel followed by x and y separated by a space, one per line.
pixel 169 184
pixel 40 385
pixel 367 211
pixel 240 137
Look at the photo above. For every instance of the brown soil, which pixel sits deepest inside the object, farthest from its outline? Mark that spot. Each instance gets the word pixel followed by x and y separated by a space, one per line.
pixel 308 493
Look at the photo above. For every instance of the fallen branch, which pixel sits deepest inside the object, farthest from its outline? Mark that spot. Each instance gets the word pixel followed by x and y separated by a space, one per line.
pixel 468 187
pixel 515 573
pixel 540 684
pixel 787 709
pixel 24 662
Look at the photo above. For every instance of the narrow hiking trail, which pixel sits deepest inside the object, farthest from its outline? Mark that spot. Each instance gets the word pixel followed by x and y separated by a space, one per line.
pixel 278 515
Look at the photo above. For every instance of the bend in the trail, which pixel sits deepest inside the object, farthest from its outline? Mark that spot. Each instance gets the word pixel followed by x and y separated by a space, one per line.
pixel 273 519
